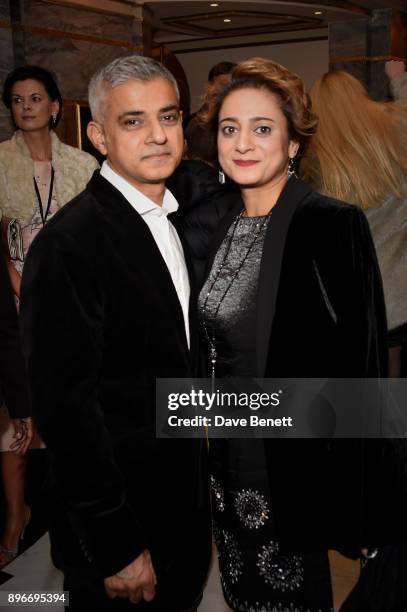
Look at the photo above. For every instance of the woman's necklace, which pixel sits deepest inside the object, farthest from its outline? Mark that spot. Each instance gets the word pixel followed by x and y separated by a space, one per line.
pixel 210 337
pixel 37 192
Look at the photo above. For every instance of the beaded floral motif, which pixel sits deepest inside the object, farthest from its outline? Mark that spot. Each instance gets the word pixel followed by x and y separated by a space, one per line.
pixel 218 495
pixel 252 508
pixel 217 535
pixel 232 562
pixel 280 572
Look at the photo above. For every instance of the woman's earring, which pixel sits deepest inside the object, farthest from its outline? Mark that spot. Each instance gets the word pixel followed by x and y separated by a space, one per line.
pixel 221 177
pixel 54 117
pixel 291 168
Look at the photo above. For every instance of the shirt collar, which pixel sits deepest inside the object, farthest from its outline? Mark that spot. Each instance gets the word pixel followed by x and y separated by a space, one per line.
pixel 140 202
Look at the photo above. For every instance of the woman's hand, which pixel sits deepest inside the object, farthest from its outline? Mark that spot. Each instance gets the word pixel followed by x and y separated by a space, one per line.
pixel 15 278
pixel 23 435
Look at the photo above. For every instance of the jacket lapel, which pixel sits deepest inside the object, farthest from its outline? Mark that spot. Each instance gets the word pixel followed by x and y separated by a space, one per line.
pixel 193 296
pixel 293 193
pixel 138 246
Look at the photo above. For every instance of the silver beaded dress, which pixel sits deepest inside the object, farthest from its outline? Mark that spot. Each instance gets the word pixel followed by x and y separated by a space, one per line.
pixel 255 575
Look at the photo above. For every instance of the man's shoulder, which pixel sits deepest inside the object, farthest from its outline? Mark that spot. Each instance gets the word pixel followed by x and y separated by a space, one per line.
pixel 80 210
pixel 91 216
pixel 80 222
pixel 73 235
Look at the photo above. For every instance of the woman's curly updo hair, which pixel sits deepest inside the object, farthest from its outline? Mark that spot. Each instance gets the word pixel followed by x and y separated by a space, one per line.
pixel 261 73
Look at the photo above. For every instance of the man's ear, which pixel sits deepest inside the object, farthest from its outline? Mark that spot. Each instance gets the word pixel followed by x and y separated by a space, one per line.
pixel 96 136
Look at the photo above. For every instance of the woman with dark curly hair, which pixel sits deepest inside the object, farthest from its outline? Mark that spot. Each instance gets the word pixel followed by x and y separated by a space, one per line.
pixel 292 290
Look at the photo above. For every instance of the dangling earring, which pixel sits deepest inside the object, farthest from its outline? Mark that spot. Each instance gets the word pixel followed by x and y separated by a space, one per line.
pixel 54 117
pixel 221 177
pixel 291 168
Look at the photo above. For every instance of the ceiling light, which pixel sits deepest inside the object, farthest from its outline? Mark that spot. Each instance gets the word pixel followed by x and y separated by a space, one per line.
pixel 317 12
pixel 214 4
pixel 227 20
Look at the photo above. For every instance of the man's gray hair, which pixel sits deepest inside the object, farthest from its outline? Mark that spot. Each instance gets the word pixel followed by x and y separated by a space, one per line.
pixel 121 70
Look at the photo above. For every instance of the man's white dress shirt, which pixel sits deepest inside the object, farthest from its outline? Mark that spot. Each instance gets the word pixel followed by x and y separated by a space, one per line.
pixel 163 231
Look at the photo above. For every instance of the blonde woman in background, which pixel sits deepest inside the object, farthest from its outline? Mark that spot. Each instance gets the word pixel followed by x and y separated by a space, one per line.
pixel 359 155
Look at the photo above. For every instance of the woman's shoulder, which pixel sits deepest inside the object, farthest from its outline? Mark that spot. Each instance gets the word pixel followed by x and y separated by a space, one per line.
pixel 6 145
pixel 322 217
pixel 15 167
pixel 72 154
pixel 329 207
pixel 317 198
pixel 11 146
pixel 78 156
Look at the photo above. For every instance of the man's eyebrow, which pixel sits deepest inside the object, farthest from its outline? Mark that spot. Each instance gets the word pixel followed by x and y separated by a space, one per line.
pixel 140 113
pixel 168 108
pixel 132 113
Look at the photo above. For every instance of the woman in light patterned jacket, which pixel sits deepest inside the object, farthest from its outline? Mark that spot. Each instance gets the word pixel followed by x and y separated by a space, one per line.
pixel 38 175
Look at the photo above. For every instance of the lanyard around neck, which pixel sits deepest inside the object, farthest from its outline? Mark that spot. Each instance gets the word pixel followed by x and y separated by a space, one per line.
pixel 37 191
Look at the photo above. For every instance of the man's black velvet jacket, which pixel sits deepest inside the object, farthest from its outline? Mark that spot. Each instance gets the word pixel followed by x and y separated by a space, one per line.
pixel 101 320
pixel 320 313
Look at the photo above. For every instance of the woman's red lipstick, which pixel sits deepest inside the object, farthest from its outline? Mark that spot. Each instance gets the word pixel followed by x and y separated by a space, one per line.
pixel 245 162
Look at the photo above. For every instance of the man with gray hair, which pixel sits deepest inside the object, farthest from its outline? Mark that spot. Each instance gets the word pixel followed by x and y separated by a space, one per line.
pixel 105 311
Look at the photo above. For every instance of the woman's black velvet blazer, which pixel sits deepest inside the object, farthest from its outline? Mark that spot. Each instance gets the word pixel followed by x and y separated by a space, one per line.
pixel 320 313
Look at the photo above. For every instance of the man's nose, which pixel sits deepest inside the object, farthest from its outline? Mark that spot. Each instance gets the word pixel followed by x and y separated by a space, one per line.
pixel 157 133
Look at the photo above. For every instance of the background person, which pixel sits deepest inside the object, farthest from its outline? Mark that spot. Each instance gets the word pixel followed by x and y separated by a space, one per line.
pixel 396 72
pixel 200 144
pixel 196 182
pixel 16 440
pixel 359 154
pixel 38 175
